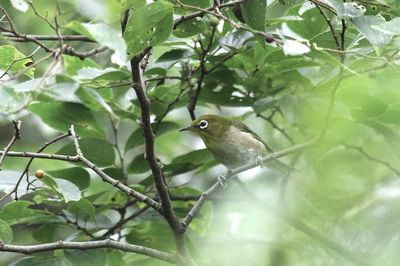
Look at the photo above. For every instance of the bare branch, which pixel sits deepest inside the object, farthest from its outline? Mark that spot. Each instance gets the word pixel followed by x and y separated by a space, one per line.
pixel 161 186
pixel 69 50
pixel 194 95
pixel 372 158
pixel 17 135
pixel 121 223
pixel 76 142
pixel 208 71
pixel 275 126
pixel 80 158
pixel 217 185
pixel 342 35
pixel 331 26
pixel 30 249
pixel 106 178
pixel 24 37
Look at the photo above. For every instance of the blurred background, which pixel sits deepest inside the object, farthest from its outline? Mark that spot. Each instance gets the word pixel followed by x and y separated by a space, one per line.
pixel 340 205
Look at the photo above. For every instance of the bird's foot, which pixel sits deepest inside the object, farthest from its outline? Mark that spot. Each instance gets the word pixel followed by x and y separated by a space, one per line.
pixel 222 181
pixel 259 161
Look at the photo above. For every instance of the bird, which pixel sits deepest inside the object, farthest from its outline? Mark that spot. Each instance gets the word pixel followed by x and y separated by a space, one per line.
pixel 232 143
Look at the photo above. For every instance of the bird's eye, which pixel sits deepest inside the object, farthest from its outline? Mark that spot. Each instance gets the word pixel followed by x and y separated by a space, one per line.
pixel 203 124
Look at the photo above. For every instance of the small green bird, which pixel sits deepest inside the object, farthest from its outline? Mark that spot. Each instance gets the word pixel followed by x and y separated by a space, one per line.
pixel 232 143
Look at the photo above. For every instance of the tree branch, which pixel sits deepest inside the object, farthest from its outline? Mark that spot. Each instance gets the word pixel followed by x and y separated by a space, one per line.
pixel 372 158
pixel 194 95
pixel 331 27
pixel 30 249
pixel 275 126
pixel 80 158
pixel 24 37
pixel 106 178
pixel 149 136
pixel 123 221
pixel 217 185
pixel 17 135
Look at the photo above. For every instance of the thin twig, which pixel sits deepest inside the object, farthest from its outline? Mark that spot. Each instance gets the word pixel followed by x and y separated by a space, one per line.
pixel 106 178
pixel 372 158
pixel 194 95
pixel 275 126
pixel 331 27
pixel 17 135
pixel 121 223
pixel 217 185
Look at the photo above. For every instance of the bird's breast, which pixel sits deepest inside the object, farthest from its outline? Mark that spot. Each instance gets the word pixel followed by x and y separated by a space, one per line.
pixel 236 148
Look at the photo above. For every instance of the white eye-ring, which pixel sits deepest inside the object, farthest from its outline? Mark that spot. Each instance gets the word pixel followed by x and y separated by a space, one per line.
pixel 203 124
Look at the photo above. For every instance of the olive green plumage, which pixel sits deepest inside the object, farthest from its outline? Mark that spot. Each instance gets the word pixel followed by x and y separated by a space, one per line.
pixel 230 142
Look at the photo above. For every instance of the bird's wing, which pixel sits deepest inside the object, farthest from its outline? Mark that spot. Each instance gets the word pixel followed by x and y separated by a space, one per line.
pixel 275 164
pixel 245 128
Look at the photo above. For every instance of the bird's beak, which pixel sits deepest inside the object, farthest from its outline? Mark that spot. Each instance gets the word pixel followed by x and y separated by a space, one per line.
pixel 186 128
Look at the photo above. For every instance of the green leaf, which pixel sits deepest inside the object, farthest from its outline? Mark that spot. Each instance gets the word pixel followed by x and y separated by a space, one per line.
pixel 90 257
pixel 188 162
pixel 11 100
pixel 310 26
pixel 190 28
pixel 14 61
pixel 137 138
pixel 61 115
pixel 236 39
pixel 114 172
pixel 77 175
pixel 365 26
pixel 347 10
pixel 92 99
pixel 134 4
pixel 391 27
pixel 391 136
pixel 98 151
pixel 115 257
pixel 86 207
pixel 47 232
pixel 6 234
pixel 105 35
pixel 148 25
pixel 138 165
pixel 42 261
pixel 73 64
pixel 198 3
pixel 253 12
pixel 18 212
pixel 165 93
pixel 263 104
pixel 290 108
pixel 151 234
pixel 65 188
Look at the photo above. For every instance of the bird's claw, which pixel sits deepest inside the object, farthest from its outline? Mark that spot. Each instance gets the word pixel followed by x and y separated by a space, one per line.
pixel 259 161
pixel 222 181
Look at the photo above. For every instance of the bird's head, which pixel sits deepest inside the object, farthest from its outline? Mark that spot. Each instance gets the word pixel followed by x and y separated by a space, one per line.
pixel 208 127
